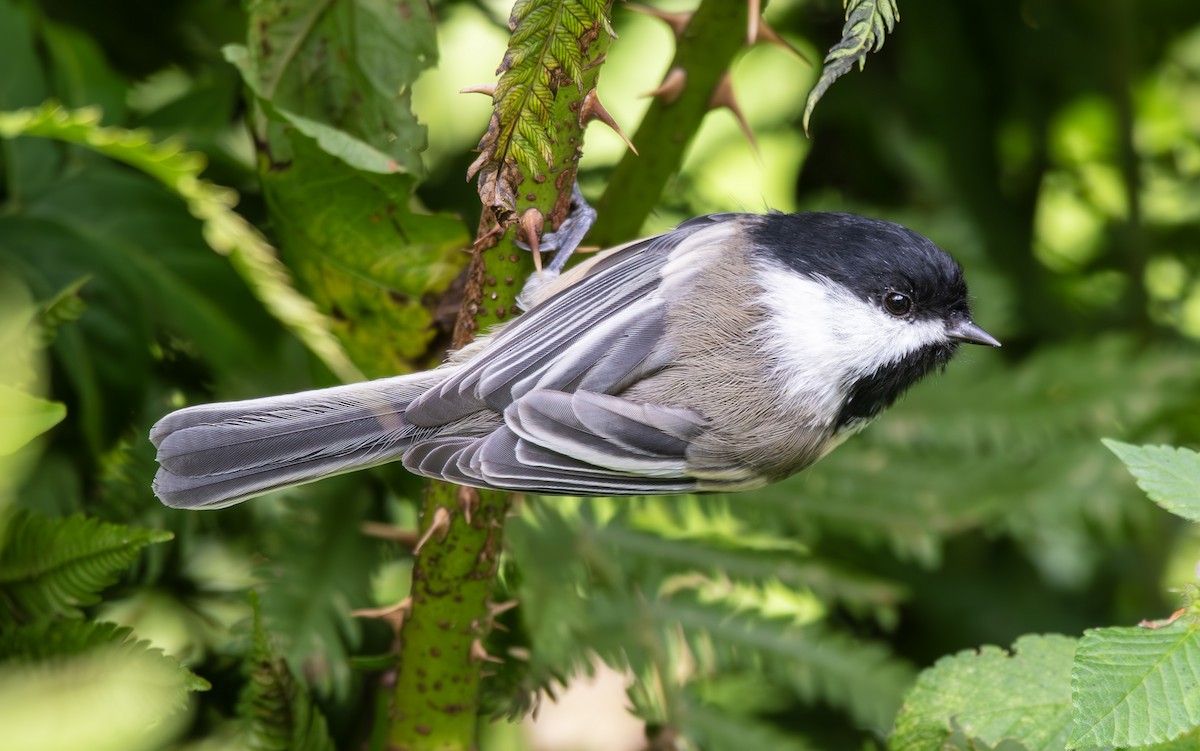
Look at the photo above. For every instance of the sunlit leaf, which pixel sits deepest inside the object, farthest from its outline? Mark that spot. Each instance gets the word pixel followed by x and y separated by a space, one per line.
pixel 1170 476
pixel 376 266
pixel 24 417
pixel 1135 686
pixel 992 695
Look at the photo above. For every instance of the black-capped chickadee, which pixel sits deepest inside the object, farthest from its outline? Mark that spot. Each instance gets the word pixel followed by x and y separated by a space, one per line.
pixel 723 355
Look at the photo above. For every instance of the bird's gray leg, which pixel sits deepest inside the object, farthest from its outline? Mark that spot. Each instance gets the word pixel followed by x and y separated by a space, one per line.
pixel 568 236
pixel 563 241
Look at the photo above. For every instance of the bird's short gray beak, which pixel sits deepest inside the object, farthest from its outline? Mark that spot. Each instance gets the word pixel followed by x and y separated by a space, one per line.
pixel 966 330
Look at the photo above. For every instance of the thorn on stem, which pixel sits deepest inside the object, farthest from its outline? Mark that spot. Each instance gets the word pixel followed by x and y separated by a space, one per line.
pixel 479 654
pixel 520 653
pixel 393 614
pixel 479 88
pixel 468 501
pixel 379 530
pixel 440 526
pixel 722 96
pixel 770 36
pixel 532 223
pixel 482 159
pixel 496 608
pixel 754 20
pixel 592 109
pixel 485 238
pixel 600 60
pixel 672 86
pixel 1163 622
pixel 677 21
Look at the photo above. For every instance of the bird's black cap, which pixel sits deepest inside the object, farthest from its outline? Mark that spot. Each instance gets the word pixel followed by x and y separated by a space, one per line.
pixel 868 257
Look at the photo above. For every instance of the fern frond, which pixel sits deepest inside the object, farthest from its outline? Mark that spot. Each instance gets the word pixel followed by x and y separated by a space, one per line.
pixel 52 567
pixel 546 51
pixel 724 602
pixel 867 23
pixel 277 711
pixel 703 534
pixel 50 640
pixel 319 567
pixel 77 684
pixel 829 581
pixel 861 677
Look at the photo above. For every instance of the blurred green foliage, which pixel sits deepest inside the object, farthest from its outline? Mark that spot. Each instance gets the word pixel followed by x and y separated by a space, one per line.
pixel 1052 147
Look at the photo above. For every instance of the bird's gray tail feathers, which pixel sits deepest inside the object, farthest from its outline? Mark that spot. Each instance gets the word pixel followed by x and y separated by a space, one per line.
pixel 216 455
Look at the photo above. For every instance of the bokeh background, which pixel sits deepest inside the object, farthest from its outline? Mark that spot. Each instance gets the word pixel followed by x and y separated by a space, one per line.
pixel 1053 147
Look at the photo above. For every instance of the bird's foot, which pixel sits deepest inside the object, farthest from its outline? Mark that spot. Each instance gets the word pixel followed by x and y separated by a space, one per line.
pixel 563 242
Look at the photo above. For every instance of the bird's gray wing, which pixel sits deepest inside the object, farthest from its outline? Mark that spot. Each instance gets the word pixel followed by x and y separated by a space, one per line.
pixel 579 443
pixel 600 334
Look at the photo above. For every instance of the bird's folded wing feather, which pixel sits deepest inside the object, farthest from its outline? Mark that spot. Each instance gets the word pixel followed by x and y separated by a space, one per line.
pixel 600 334
pixel 579 443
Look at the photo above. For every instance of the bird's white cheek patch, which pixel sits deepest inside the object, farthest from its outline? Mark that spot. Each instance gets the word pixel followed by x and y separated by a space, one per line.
pixel 824 337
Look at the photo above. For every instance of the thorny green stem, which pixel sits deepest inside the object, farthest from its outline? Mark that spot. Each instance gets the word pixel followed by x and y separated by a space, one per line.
pixel 436 699
pixel 704 52
pixel 437 685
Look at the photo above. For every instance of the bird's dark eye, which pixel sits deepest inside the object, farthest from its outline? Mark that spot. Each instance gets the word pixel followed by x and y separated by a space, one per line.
pixel 897 304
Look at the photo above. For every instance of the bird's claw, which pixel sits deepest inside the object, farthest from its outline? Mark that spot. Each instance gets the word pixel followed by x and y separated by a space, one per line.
pixel 570 233
pixel 563 242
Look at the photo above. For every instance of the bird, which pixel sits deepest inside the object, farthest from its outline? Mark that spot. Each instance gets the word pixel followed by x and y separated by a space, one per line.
pixel 720 356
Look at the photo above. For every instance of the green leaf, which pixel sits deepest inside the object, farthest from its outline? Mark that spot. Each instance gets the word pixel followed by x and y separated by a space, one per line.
pixel 275 708
pixel 151 276
pixel 960 740
pixel 342 74
pixel 993 696
pixel 24 417
pixel 29 166
pixel 1170 476
pixel 224 230
pixel 340 152
pixel 373 264
pixel 1135 686
pixel 122 694
pixel 52 567
pixel 867 23
pixel 744 563
pixel 1189 742
pixel 103 356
